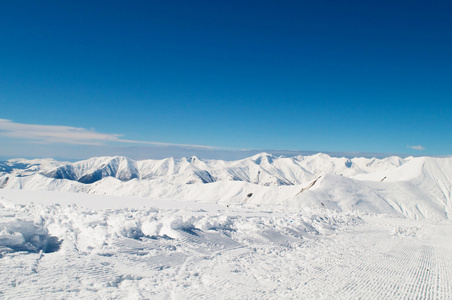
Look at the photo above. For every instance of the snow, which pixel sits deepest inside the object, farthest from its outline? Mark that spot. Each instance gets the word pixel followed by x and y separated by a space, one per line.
pixel 138 248
pixel 418 188
pixel 265 227
pixel 17 235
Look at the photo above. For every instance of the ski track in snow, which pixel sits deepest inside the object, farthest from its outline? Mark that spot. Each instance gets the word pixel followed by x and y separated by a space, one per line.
pixel 373 265
pixel 228 253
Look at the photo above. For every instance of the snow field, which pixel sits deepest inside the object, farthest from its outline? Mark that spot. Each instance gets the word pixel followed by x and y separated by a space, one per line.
pixel 182 250
pixel 140 253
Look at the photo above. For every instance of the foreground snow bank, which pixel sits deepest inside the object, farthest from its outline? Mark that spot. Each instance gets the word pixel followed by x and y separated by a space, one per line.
pixel 35 227
pixel 23 234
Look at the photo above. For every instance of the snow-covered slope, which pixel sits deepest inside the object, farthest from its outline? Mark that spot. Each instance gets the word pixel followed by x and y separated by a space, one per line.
pixel 413 187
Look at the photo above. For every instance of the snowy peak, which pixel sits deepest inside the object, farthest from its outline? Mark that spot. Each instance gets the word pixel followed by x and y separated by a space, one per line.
pixel 95 169
pixel 62 172
pixel 262 158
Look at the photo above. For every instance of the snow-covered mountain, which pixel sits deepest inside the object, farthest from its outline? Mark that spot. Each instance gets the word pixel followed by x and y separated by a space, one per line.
pixel 413 187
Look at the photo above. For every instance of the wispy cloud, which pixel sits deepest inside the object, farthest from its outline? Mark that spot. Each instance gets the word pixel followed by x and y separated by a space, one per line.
pixel 417 147
pixel 70 135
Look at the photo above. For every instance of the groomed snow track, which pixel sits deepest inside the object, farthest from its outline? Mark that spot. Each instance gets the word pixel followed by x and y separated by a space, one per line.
pixel 370 264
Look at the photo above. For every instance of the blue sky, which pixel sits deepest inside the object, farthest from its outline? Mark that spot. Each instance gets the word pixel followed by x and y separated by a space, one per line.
pixel 81 78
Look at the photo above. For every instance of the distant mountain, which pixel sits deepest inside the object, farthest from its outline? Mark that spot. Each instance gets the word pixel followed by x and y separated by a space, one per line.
pixel 413 187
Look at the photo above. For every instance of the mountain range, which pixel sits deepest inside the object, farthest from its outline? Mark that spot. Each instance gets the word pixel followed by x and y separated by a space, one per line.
pixel 418 188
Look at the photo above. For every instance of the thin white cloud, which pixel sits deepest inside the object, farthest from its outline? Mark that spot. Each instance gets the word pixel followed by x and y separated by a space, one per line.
pixel 70 135
pixel 417 147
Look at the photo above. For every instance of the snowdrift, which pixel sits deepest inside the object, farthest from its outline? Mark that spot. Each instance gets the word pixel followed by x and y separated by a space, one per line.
pixel 418 188
pixel 23 233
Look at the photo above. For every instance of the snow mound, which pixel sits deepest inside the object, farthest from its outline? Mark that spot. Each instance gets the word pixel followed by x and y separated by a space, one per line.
pixel 22 235
pixel 19 234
